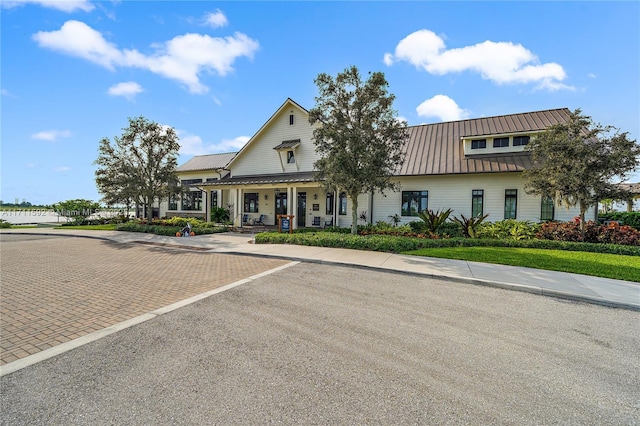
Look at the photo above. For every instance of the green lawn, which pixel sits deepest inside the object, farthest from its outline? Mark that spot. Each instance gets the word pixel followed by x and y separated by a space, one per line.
pixel 111 227
pixel 596 264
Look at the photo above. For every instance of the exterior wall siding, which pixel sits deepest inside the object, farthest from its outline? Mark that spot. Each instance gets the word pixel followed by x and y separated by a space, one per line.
pixel 454 192
pixel 261 158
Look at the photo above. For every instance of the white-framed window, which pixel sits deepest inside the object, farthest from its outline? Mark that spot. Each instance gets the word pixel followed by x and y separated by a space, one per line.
pixel 510 203
pixel 477 202
pixel 291 119
pixel 342 204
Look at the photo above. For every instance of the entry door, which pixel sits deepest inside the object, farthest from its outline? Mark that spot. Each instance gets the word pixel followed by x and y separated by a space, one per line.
pixel 281 204
pixel 302 209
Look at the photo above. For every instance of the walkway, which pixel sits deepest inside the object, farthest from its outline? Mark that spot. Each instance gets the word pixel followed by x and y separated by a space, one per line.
pixel 608 292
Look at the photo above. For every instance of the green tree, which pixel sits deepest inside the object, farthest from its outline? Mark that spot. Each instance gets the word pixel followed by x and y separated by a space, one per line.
pixel 576 162
pixel 359 138
pixel 138 166
pixel 78 209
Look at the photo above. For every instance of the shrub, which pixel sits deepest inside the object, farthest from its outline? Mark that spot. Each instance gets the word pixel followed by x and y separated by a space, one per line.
pixel 594 233
pixel 470 225
pixel 219 215
pixel 624 218
pixel 394 244
pixel 509 228
pixel 4 224
pixel 434 220
pixel 171 226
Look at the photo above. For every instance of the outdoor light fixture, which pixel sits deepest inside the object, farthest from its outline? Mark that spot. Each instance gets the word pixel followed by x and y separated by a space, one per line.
pixel 315 196
pixel 266 197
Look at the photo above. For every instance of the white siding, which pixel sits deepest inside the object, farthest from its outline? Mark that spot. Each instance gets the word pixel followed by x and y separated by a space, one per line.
pixel 455 192
pixel 261 158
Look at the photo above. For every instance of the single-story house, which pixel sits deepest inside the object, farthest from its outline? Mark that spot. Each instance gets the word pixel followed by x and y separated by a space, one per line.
pixel 472 166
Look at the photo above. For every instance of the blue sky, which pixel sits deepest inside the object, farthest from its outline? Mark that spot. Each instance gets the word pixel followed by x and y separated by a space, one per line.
pixel 72 72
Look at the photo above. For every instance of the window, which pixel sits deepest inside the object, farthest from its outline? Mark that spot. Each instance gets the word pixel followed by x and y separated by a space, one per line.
pixel 190 182
pixel 290 119
pixel 414 202
pixel 173 201
pixel 342 204
pixel 477 202
pixel 510 203
pixel 192 201
pixel 547 209
pixel 251 202
pixel 520 140
pixel 330 199
pixel 290 157
pixel 500 142
pixel 214 199
pixel 478 143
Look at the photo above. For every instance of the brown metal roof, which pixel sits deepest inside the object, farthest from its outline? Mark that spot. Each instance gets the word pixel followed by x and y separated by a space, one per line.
pixel 207 162
pixel 287 144
pixel 436 149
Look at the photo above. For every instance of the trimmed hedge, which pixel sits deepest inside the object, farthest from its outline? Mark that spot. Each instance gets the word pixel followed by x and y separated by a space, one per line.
pixel 625 218
pixel 168 230
pixel 394 244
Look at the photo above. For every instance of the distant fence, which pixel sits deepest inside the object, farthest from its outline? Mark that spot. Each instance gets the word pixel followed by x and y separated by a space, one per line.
pixel 34 216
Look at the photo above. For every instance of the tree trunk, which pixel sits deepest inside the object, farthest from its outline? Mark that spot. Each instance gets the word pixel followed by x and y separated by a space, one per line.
pixel 354 213
pixel 582 222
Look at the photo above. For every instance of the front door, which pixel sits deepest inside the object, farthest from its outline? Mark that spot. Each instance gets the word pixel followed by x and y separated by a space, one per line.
pixel 302 209
pixel 281 204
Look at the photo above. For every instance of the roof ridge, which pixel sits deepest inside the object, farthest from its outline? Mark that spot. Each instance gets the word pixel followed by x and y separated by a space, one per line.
pixel 493 116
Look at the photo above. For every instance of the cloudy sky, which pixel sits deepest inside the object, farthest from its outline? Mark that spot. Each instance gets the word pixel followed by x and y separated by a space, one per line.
pixel 74 71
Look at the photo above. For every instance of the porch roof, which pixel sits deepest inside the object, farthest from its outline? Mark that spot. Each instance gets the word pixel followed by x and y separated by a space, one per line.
pixel 269 179
pixel 287 144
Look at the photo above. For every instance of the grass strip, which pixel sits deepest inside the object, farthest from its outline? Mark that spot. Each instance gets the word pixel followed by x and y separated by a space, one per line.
pixel 596 264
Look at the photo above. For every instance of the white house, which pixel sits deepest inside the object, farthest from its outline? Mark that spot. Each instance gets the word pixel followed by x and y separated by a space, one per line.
pixel 471 166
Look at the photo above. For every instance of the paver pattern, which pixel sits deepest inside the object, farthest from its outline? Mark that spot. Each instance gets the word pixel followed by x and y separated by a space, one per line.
pixel 55 289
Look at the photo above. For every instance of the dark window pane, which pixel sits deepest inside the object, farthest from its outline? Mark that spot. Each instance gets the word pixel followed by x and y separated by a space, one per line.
pixel 500 142
pixel 477 202
pixel 520 140
pixel 510 203
pixel 478 143
pixel 414 202
pixel 342 204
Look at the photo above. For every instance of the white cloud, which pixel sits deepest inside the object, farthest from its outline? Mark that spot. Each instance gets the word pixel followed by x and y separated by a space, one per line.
pixel 442 107
pixel 500 62
pixel 61 169
pixel 193 145
pixel 128 89
pixel 215 19
pixel 182 58
pixel 592 75
pixel 51 135
pixel 63 5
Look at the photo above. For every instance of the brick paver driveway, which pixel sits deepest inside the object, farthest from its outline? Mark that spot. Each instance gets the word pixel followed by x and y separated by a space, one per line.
pixel 55 289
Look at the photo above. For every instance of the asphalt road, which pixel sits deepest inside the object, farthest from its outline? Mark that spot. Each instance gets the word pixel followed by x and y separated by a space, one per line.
pixel 317 344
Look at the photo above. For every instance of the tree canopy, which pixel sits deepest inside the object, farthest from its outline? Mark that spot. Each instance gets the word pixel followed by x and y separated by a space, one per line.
pixel 139 166
pixel 576 162
pixel 78 209
pixel 358 137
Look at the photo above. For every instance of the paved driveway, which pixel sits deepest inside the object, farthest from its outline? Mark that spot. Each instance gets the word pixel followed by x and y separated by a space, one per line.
pixel 55 289
pixel 318 344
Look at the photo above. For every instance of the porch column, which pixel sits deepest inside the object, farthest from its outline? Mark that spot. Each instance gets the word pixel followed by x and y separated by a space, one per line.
pixel 205 201
pixel 294 207
pixel 240 209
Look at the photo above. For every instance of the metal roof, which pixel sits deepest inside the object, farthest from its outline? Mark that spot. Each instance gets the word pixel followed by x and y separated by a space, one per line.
pixel 436 149
pixel 207 162
pixel 287 144
pixel 277 178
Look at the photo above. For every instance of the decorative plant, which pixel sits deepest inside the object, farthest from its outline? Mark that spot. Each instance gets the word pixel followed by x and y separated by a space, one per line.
pixel 434 220
pixel 395 219
pixel 470 225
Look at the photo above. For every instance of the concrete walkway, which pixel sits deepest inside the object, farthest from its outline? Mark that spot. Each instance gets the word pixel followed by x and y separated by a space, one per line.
pixel 603 291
